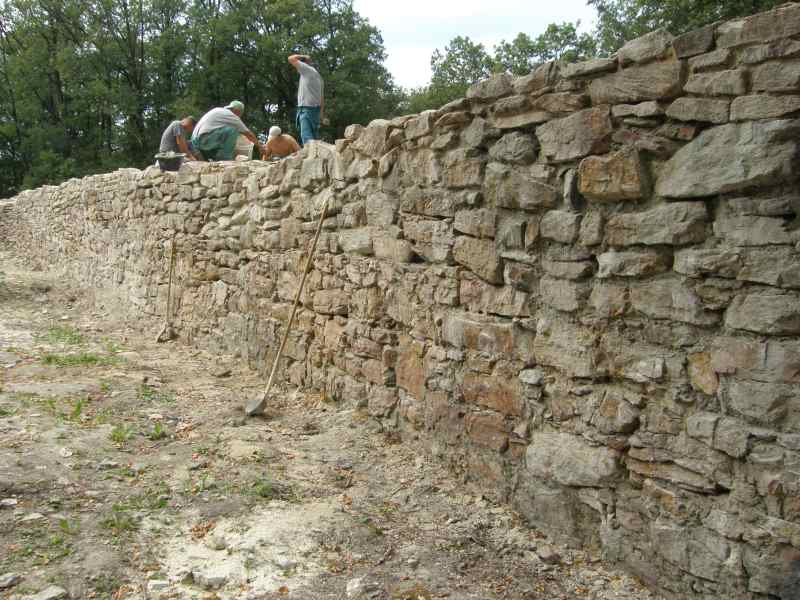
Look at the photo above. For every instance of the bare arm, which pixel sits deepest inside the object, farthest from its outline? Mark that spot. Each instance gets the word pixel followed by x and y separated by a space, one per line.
pixel 252 137
pixel 184 147
pixel 294 145
pixel 296 58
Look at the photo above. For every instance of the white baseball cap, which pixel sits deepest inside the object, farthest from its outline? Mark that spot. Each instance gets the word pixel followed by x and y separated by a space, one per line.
pixel 274 131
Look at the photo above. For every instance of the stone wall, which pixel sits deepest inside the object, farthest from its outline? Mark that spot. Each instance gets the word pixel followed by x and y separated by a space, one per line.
pixel 580 287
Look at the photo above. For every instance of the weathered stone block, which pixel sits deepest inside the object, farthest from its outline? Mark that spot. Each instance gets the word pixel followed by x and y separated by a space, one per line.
pixel 699 109
pixel 763 106
pixel 765 311
pixel 585 132
pixel 495 87
pixel 489 430
pixel 762 403
pixel 764 27
pixel 720 83
pixel 467 332
pixel 371 140
pixel 642 110
pixel 779 49
pixel 560 226
pixel 631 264
pixel 421 125
pixel 515 148
pixel 542 76
pixel 701 373
pixel 670 299
pixel 694 42
pixel 778 76
pixel 612 178
pixel 499 391
pixel 712 60
pixel 481 297
pixel 567 347
pixel 729 158
pixel 432 239
pixel 356 241
pixel 480 256
pixel 569 460
pixel 588 67
pixel 330 302
pixel 410 369
pixel 507 187
pixel 647 47
pixel 615 414
pixel 675 224
pixel 564 295
pixel 653 81
pixel 462 170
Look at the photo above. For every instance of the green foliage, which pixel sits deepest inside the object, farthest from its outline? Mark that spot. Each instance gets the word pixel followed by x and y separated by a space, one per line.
pixel 77 360
pixel 89 85
pixel 120 434
pixel 558 42
pixel 158 432
pixel 64 335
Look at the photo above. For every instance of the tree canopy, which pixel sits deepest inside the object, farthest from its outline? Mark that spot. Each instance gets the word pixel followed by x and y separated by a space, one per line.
pixel 89 85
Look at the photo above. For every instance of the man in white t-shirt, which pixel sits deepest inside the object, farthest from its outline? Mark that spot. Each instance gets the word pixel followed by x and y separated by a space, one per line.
pixel 216 133
pixel 310 98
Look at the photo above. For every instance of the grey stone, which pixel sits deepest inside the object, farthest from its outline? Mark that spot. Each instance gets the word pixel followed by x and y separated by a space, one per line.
pixel 9 580
pixel 478 222
pixel 676 223
pixel 591 233
pixel 588 67
pixel 372 140
pixel 647 47
pixel 480 256
pixel 515 148
pixel 569 460
pixel 779 49
pixel 731 437
pixel 699 109
pixel 52 592
pixel 542 76
pixel 421 125
pixel 763 403
pixel 731 157
pixel 778 266
pixel 564 295
pixel 531 376
pixel 694 42
pixel 631 264
pixel 615 414
pixel 765 311
pixel 567 347
pixel 495 87
pixel 763 106
pixel 652 81
pixel 516 188
pixel 696 262
pixel 356 241
pixel 780 23
pixel 670 299
pixel 779 76
pixel 585 132
pixel 479 133
pixel 711 60
pixel 643 110
pixel 560 226
pixel 568 270
pixel 719 83
pixel 701 426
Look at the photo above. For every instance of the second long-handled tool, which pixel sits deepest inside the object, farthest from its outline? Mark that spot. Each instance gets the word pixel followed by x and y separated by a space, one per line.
pixel 167 333
pixel 256 406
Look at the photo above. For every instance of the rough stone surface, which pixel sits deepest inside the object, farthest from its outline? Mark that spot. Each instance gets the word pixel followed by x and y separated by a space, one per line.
pixel 699 109
pixel 729 158
pixel 652 81
pixel 675 224
pixel 585 132
pixel 763 106
pixel 569 460
pixel 612 178
pixel 722 83
pixel 652 45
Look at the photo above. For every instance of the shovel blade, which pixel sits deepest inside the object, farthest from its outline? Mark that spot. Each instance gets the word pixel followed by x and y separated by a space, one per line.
pixel 256 406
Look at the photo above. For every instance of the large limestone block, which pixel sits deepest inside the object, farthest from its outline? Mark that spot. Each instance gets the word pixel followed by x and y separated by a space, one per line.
pixel 433 239
pixel 764 27
pixel 372 140
pixel 695 42
pixel 732 157
pixel 612 178
pixel 507 187
pixel 560 226
pixel 462 169
pixel 652 81
pixel 495 87
pixel 631 264
pixel 677 223
pixel 720 83
pixel 778 76
pixel 568 347
pixel 570 460
pixel 515 148
pixel 578 135
pixel 410 367
pixel 421 125
pixel 464 331
pixel 588 67
pixel 478 222
pixel 479 256
pixel 647 47
pixel 542 76
pixel 699 109
pixel 753 231
pixel 563 295
pixel 766 311
pixel 711 60
pixel 763 403
pixel 481 297
pixel 671 299
pixel 499 391
pixel 763 106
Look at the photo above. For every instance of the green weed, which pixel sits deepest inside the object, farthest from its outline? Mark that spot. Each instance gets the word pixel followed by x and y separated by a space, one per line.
pixel 83 359
pixel 158 433
pixel 64 334
pixel 120 434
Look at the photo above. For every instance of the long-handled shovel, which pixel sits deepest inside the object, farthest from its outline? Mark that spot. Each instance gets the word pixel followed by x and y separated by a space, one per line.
pixel 167 333
pixel 256 406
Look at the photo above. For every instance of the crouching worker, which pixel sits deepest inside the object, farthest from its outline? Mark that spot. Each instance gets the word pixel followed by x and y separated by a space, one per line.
pixel 176 138
pixel 216 133
pixel 279 144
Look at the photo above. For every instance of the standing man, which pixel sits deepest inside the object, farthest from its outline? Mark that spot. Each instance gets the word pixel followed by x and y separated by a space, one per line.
pixel 217 131
pixel 310 98
pixel 176 137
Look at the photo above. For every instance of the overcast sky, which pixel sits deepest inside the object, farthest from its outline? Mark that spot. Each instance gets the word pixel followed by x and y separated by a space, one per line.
pixel 413 29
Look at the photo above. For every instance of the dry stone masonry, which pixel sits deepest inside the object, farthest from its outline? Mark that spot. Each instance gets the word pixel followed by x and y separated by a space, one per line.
pixel 580 286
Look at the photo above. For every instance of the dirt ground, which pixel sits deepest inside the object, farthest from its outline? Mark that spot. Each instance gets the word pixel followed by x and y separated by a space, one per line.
pixel 127 470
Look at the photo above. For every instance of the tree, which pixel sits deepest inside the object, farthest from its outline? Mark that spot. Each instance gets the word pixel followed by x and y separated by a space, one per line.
pixel 623 20
pixel 558 42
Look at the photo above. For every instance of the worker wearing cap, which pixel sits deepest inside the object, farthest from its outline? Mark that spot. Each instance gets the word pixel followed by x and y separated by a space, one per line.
pixel 310 98
pixel 216 133
pixel 279 144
